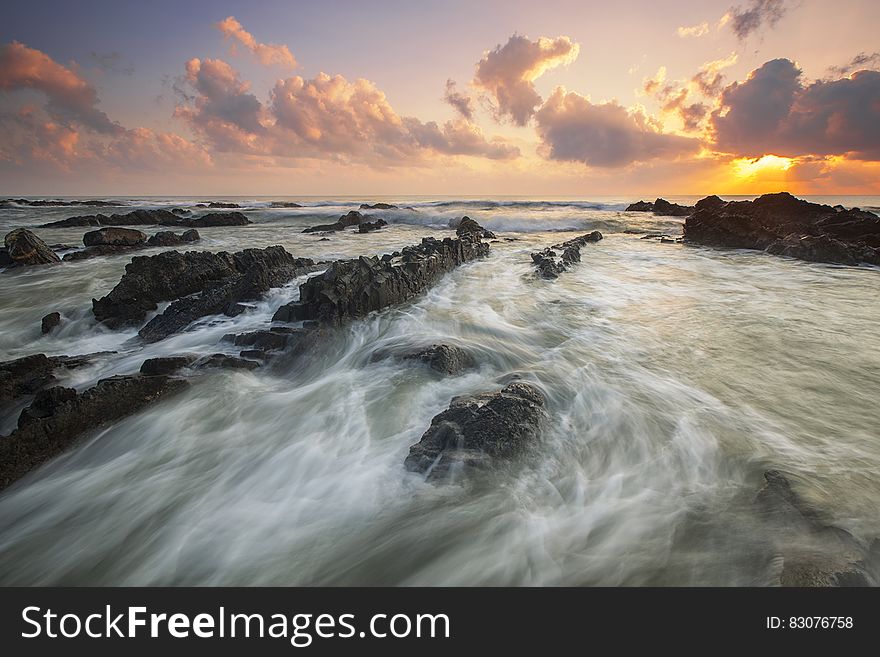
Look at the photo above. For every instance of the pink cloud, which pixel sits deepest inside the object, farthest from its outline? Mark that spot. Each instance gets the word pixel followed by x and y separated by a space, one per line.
pixel 266 54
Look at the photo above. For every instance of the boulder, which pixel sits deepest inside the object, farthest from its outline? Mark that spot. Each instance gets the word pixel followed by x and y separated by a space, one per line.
pixel 468 226
pixel 477 429
pixel 226 362
pixel 661 207
pixel 443 358
pixel 709 203
pixel 369 226
pixel 59 416
pixel 114 237
pixel 640 206
pixel 23 248
pixel 166 365
pixel 169 238
pixel 216 219
pixel 134 218
pixel 352 218
pixel 50 322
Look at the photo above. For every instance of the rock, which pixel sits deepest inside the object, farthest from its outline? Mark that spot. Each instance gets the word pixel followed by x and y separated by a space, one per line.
pixel 49 322
pixel 53 204
pixel 368 226
pixel 354 288
pixel 25 376
pixel 710 203
pixel 477 429
pixel 661 207
pixel 378 206
pixel 216 219
pixel 468 226
pixel 785 225
pixel 58 416
pixel 284 204
pixel 114 237
pixel 166 365
pixel 546 261
pixel 24 248
pixel 228 362
pixel 353 218
pixel 443 358
pixel 169 238
pixel 134 218
pixel 217 204
pixel 181 211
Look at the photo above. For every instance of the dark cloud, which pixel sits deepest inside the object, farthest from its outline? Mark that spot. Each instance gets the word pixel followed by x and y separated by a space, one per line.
pixel 571 128
pixel 462 103
pixel 110 62
pixel 862 61
pixel 744 20
pixel 774 112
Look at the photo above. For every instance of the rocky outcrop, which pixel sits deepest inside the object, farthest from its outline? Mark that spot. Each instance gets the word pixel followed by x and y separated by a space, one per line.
pixel 378 206
pixel 809 552
pixel 113 241
pixel 477 429
pixel 661 207
pixel 59 416
pixel 213 219
pixel 217 204
pixel 115 237
pixel 354 288
pixel 169 238
pixel 709 203
pixel 556 259
pixel 369 226
pixel 284 204
pixel 468 226
pixel 352 218
pixel 56 204
pixel 443 358
pixel 25 376
pixel 784 225
pixel 23 248
pixel 168 365
pixel 50 322
pixel 134 218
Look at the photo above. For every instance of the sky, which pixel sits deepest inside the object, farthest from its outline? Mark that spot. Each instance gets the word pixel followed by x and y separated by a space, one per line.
pixel 551 98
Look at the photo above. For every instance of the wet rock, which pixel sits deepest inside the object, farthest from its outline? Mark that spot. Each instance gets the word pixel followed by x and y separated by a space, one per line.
pixel 352 218
pixel 785 225
pixel 23 248
pixel 59 416
pixel 54 203
pixel 169 238
pixel 553 261
pixel 477 429
pixel 181 211
pixel 378 206
pixel 159 217
pixel 354 288
pixel 114 236
pixel 253 354
pixel 25 376
pixel 227 362
pixel 217 204
pixel 710 203
pixel 468 226
pixel 369 226
pixel 443 358
pixel 284 204
pixel 216 219
pixel 661 207
pixel 166 365
pixel 49 322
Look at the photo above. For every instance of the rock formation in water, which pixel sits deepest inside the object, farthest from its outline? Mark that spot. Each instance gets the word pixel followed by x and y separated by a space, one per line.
pixel 25 376
pixel 52 203
pixel 158 217
pixel 443 358
pixel 369 226
pixel 378 206
pixel 58 416
pixel 550 263
pixel 113 241
pixel 784 225
pixel 352 218
pixel 217 204
pixel 50 322
pixel 477 429
pixel 468 226
pixel 661 207
pixel 284 204
pixel 23 248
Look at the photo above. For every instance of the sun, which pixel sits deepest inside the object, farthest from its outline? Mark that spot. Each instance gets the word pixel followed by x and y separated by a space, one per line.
pixel 750 168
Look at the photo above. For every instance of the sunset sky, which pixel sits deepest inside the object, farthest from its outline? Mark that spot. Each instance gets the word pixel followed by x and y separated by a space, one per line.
pixel 460 98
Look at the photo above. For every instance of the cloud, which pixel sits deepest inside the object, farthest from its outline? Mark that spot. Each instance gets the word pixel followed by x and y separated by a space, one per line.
pixel 571 128
pixel 462 103
pixel 862 61
pixel 680 98
pixel 459 137
pixel 774 112
pixel 508 72
pixel 693 30
pixel 71 99
pixel 110 62
pixel 754 16
pixel 709 79
pixel 267 54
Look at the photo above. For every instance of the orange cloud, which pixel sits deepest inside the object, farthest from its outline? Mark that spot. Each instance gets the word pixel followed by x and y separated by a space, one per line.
pixel 267 54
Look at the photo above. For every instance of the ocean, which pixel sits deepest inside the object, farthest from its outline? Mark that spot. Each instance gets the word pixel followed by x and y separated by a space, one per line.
pixel 675 376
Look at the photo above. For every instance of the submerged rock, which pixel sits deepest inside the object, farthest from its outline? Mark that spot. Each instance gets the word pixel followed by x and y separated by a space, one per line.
pixel 50 322
pixel 555 260
pixel 58 416
pixel 661 207
pixel 443 358
pixel 23 248
pixel 476 429
pixel 784 225
pixel 352 218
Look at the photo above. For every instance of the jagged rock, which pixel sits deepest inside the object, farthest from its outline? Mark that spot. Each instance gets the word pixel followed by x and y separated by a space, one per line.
pixel 24 248
pixel 217 204
pixel 369 226
pixel 58 416
pixel 166 365
pixel 785 225
pixel 710 203
pixel 114 236
pixel 468 226
pixel 25 376
pixel 52 203
pixel 661 207
pixel 181 211
pixel 284 204
pixel 378 206
pixel 134 218
pixel 216 219
pixel 352 218
pixel 546 261
pixel 476 429
pixel 49 322
pixel 354 288
pixel 169 238
pixel 227 362
pixel 443 358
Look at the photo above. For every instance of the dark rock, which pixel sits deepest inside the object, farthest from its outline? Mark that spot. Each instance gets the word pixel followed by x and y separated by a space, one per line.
pixel 550 267
pixel 5 259
pixel 181 211
pixel 218 204
pixel 25 376
pixel 368 226
pixel 710 203
pixel 216 219
pixel 59 416
pixel 53 203
pixel 114 237
pixel 101 250
pixel 24 248
pixel 49 322
pixel 284 204
pixel 640 206
pixel 476 429
pixel 169 238
pixel 468 226
pixel 661 207
pixel 253 354
pixel 378 206
pixel 354 288
pixel 443 358
pixel 785 225
pixel 352 218
pixel 227 362
pixel 166 365
pixel 134 218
